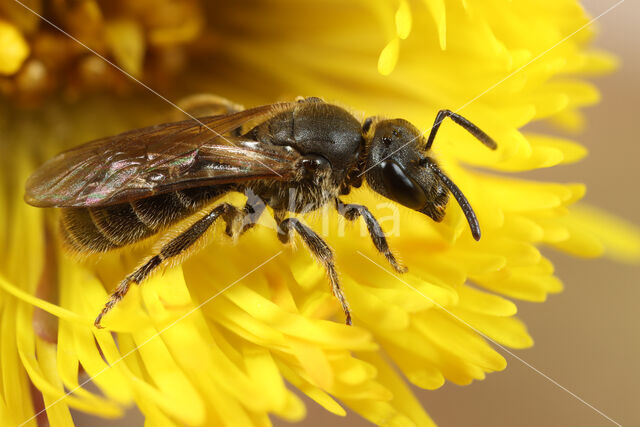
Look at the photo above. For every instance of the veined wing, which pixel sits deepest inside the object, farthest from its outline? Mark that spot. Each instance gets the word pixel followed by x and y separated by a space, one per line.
pixel 160 159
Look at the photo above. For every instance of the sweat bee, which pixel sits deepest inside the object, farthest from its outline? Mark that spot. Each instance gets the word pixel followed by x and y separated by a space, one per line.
pixel 294 157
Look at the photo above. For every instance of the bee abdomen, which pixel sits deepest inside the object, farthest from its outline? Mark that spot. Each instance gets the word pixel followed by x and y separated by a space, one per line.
pixel 119 224
pixel 80 233
pixel 160 211
pixel 102 229
pixel 109 227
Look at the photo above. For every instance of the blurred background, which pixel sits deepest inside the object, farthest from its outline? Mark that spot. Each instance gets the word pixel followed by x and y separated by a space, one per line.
pixel 586 338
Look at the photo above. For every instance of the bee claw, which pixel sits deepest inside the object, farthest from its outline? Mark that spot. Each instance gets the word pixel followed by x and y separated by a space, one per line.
pixel 401 269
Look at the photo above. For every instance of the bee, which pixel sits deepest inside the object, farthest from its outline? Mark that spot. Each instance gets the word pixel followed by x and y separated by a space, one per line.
pixel 294 157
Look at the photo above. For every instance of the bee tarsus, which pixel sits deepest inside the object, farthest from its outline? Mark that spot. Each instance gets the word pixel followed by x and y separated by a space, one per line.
pixel 352 212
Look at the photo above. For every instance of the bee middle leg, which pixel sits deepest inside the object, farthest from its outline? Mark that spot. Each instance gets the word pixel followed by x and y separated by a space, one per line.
pixel 352 212
pixel 176 247
pixel 321 250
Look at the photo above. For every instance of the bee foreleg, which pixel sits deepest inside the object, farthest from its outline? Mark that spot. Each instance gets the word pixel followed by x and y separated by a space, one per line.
pixel 321 250
pixel 352 212
pixel 175 247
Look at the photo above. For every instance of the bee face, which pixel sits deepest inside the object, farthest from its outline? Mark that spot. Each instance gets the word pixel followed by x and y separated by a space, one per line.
pixel 397 169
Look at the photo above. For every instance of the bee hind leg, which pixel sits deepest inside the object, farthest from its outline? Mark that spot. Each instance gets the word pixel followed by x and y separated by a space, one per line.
pixel 323 253
pixel 176 247
pixel 352 212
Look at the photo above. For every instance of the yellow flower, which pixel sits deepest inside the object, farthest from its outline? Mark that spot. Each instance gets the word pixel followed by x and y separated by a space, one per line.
pixel 216 340
pixel 146 38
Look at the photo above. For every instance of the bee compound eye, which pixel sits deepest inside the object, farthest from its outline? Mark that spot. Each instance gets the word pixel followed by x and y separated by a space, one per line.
pixel 401 187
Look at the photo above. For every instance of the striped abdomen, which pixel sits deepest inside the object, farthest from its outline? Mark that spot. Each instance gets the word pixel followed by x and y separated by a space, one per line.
pixel 105 228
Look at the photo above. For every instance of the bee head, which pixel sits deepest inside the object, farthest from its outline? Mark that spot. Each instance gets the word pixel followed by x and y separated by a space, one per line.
pixel 399 168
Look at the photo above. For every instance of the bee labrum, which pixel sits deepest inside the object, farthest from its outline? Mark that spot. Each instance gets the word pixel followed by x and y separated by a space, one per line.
pixel 293 157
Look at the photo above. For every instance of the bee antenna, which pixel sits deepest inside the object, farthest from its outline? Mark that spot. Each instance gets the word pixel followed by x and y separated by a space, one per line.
pixel 460 198
pixel 470 127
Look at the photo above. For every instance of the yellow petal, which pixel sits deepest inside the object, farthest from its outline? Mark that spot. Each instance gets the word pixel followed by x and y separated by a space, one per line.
pixel 618 238
pixel 571 152
pixel 178 396
pixel 68 365
pixel 417 366
pixel 389 57
pixel 294 410
pixel 40 375
pixel 403 19
pixel 15 381
pixel 42 304
pixel 58 413
pixel 403 398
pixel 315 393
pixel 476 301
pixel 521 285
pixel 373 310
pixel 450 333
pixel 507 331
pixel 314 362
pixel 264 375
pixel 438 12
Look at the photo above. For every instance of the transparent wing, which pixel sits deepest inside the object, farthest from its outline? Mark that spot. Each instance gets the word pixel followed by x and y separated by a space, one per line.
pixel 158 159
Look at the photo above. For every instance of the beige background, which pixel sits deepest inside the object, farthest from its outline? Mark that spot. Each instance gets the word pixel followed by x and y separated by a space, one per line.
pixel 588 337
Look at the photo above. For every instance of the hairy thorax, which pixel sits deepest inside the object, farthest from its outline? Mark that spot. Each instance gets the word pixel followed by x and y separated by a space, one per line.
pixel 302 196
